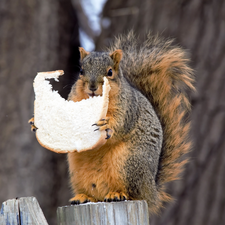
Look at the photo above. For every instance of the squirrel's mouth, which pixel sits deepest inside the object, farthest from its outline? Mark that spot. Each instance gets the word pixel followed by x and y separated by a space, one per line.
pixel 92 94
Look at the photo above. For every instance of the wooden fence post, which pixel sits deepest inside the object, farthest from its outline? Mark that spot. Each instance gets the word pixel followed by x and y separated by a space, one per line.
pixel 21 211
pixel 102 213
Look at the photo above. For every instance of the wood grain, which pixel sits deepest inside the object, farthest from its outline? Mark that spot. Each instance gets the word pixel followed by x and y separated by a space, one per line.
pixel 102 213
pixel 22 211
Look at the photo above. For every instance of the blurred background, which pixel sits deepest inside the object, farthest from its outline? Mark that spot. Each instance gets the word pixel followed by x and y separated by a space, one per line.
pixel 45 35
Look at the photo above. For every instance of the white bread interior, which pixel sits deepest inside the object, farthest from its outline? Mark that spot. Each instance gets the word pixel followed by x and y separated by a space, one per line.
pixel 66 126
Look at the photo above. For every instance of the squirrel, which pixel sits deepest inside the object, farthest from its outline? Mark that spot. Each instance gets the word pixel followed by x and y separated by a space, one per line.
pixel 147 121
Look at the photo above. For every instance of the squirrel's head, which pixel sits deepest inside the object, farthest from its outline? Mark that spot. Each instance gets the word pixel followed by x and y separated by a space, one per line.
pixel 96 65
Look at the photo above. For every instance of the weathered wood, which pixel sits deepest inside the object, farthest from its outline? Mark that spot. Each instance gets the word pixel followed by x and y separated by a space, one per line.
pixel 102 213
pixel 22 211
pixel 10 212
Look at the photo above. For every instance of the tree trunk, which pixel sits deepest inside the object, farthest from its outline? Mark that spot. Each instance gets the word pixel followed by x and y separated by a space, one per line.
pixel 35 36
pixel 198 26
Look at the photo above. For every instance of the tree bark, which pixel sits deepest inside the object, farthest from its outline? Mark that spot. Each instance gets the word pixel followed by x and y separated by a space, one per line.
pixel 35 36
pixel 198 26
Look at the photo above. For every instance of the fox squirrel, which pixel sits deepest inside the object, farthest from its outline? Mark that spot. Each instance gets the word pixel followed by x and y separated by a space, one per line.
pixel 146 121
pixel 146 126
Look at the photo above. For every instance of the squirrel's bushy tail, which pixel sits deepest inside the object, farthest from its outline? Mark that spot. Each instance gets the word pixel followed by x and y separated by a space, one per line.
pixel 160 71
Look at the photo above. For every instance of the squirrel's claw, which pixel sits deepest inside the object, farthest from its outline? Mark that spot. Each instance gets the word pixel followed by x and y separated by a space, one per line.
pixel 33 127
pixel 31 121
pixel 102 122
pixel 104 125
pixel 108 133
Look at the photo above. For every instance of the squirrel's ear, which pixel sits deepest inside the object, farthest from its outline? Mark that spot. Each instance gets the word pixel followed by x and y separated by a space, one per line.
pixel 117 56
pixel 83 53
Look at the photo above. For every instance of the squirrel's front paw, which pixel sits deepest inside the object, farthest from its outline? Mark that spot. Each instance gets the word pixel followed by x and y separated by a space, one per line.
pixel 31 122
pixel 104 125
pixel 81 198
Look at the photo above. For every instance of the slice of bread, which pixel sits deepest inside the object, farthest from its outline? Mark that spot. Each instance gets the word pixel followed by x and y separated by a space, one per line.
pixel 66 126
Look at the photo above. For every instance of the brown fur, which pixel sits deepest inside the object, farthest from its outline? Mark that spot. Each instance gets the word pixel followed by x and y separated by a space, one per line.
pixel 96 173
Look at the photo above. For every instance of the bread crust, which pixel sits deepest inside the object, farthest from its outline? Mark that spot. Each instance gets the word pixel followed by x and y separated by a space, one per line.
pixel 102 140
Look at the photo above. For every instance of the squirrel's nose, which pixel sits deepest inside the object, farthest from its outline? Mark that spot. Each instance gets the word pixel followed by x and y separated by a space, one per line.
pixel 93 88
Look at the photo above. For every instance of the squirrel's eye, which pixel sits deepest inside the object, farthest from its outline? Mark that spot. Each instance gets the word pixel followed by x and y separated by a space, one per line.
pixel 81 72
pixel 110 73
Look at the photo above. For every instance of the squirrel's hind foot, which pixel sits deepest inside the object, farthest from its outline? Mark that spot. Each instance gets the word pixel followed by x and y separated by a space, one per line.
pixel 115 197
pixel 80 199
